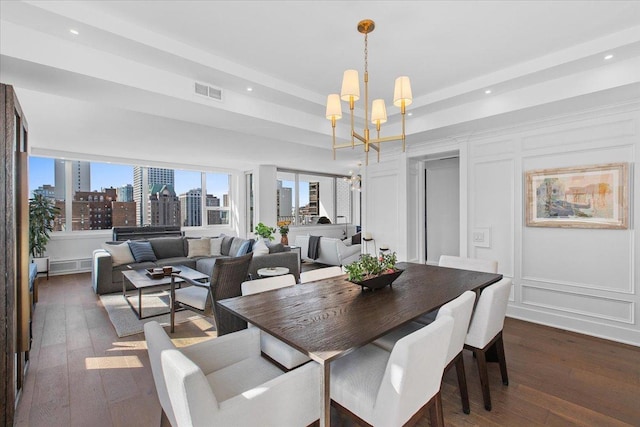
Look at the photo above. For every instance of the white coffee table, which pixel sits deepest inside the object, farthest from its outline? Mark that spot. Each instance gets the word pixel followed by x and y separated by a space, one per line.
pixel 273 271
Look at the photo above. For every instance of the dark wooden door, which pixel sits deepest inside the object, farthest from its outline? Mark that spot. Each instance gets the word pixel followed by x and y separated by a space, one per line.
pixel 15 310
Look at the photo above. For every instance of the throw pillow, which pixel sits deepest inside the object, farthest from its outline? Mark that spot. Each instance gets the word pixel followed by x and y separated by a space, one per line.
pixel 244 248
pixel 216 246
pixel 260 248
pixel 199 247
pixel 142 251
pixel 120 254
pixel 356 239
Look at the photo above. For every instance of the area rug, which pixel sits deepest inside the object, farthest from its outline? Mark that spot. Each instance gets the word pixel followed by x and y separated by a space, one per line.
pixel 126 322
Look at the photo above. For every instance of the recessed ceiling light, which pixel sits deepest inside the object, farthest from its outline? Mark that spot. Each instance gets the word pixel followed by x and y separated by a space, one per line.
pixel 488 91
pixel 608 57
pixel 249 89
pixel 409 114
pixel 74 32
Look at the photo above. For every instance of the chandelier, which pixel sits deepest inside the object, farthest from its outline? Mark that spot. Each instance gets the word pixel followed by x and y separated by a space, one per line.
pixel 351 93
pixel 354 180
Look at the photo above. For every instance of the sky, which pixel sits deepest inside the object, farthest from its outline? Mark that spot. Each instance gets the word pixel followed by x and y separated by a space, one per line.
pixel 104 175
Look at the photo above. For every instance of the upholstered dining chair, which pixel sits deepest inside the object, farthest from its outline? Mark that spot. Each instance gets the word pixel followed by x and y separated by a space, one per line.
pixel 225 382
pixel 475 264
pixel 462 263
pixel 282 354
pixel 320 273
pixel 225 280
pixel 485 333
pixel 385 388
pixel 460 310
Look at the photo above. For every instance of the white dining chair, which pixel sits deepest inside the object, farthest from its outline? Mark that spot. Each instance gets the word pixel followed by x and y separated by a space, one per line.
pixel 387 388
pixel 226 382
pixel 485 333
pixel 284 355
pixel 320 273
pixel 461 263
pixel 460 310
pixel 474 264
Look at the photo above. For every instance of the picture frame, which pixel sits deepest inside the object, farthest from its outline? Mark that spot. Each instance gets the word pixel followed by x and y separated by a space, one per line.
pixel 594 196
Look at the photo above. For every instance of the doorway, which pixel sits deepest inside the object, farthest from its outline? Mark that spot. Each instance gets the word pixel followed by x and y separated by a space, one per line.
pixel 442 208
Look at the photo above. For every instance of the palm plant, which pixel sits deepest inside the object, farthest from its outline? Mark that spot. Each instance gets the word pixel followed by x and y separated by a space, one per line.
pixel 42 212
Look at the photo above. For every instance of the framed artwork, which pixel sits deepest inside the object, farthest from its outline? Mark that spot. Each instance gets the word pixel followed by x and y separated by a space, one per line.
pixel 578 197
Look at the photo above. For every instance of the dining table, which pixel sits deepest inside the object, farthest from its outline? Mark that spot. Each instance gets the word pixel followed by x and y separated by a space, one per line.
pixel 329 318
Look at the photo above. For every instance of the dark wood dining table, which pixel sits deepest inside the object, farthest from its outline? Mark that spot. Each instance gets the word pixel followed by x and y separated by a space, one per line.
pixel 330 318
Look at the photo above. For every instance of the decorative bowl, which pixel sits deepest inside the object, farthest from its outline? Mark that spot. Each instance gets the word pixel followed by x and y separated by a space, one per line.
pixel 381 281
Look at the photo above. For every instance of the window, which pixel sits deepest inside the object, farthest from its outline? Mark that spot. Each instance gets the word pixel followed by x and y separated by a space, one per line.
pixel 94 196
pixel 305 198
pixel 217 204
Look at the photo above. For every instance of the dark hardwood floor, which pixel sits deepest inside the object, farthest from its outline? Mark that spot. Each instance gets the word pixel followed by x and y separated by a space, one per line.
pixel 82 374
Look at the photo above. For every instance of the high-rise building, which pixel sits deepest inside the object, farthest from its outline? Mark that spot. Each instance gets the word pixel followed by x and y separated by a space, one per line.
pixel 314 198
pixel 91 210
pixel 123 214
pixel 80 177
pixel 125 193
pixel 213 216
pixel 164 205
pixel 46 190
pixel 284 201
pixel 191 208
pixel 144 178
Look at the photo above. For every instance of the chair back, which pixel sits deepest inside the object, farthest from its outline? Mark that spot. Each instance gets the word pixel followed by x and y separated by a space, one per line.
pixel 488 317
pixel 226 280
pixel 320 273
pixel 192 399
pixel 474 264
pixel 251 287
pixel 413 373
pixel 460 310
pixel 158 342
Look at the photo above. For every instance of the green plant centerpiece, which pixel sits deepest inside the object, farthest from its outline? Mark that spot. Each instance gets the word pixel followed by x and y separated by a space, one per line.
pixel 264 231
pixel 42 212
pixel 374 273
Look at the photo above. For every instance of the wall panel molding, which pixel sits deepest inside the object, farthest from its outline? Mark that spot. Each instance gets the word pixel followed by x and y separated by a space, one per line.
pixel 610 309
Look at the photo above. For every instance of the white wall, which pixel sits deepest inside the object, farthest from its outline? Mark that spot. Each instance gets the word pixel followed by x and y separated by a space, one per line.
pixel 578 279
pixel 442 208
pixel 584 280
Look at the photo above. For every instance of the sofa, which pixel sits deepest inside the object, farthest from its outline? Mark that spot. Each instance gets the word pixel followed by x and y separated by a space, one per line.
pixel 108 263
pixel 331 251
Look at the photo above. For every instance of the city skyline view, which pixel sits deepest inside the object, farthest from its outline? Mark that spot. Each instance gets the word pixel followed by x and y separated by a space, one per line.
pixel 106 175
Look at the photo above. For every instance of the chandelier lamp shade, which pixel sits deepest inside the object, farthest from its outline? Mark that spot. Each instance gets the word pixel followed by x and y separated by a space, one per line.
pixel 350 92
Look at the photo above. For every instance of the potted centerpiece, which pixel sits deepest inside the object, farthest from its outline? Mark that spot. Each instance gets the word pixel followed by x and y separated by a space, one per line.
pixel 373 273
pixel 42 212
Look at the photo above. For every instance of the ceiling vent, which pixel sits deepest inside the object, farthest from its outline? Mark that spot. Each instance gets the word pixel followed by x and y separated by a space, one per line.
pixel 207 91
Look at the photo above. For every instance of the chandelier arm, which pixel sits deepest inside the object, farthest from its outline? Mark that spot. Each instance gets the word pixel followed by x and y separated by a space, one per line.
pixel 361 138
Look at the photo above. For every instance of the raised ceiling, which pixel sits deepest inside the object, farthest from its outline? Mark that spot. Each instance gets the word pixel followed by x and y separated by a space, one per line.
pixel 123 87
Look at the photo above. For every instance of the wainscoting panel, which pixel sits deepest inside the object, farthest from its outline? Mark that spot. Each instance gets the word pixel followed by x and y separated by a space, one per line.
pixel 492 204
pixel 579 303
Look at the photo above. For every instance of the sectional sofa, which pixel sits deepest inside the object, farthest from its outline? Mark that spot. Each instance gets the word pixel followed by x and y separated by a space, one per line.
pixel 109 262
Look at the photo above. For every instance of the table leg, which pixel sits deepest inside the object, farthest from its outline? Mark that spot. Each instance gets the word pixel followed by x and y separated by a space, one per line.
pixel 325 412
pixel 139 303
